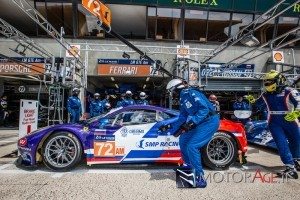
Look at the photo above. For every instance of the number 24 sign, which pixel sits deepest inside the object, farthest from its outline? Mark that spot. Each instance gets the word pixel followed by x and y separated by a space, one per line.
pixel 98 9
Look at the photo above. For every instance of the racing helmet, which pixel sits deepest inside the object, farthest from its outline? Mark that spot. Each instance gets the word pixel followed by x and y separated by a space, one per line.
pixel 128 93
pixel 273 80
pixel 96 95
pixel 107 105
pixel 143 95
pixel 76 90
pixel 212 98
pixel 175 84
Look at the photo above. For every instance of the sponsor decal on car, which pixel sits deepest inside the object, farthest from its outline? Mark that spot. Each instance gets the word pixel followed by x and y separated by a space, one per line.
pixel 24 148
pixel 142 144
pixel 104 138
pixel 26 157
pixel 85 129
pixel 135 131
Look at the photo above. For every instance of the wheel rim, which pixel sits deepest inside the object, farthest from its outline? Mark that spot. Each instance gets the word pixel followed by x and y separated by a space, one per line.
pixel 220 150
pixel 60 151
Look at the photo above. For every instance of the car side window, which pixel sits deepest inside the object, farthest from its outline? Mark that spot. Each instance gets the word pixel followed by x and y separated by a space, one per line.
pixel 162 116
pixel 135 117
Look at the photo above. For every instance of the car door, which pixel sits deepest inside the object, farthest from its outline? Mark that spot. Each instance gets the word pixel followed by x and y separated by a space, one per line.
pixel 169 143
pixel 136 124
pixel 105 149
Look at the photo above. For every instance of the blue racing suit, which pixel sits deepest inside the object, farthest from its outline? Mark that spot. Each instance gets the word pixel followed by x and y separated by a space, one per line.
pixel 286 134
pixel 241 106
pixel 74 108
pixel 195 108
pixel 142 102
pixel 127 102
pixel 96 108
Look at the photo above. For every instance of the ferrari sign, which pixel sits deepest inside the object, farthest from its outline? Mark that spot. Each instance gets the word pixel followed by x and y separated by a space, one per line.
pixel 98 9
pixel 278 57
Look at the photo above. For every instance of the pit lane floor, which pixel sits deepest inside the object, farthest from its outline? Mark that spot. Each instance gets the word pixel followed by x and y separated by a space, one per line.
pixel 145 181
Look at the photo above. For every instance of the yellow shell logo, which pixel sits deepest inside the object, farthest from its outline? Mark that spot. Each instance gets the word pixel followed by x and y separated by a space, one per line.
pixel 74 50
pixel 278 56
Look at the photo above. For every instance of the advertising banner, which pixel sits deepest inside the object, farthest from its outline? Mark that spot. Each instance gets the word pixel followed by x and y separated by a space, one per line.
pixel 125 67
pixel 216 70
pixel 28 117
pixel 33 66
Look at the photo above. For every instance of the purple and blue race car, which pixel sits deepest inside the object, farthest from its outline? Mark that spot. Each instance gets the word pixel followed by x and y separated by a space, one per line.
pixel 126 135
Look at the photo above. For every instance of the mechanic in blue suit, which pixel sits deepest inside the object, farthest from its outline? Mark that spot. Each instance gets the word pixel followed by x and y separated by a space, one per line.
pixel 74 106
pixel 127 101
pixel 96 106
pixel 240 104
pixel 283 105
pixel 199 121
pixel 142 100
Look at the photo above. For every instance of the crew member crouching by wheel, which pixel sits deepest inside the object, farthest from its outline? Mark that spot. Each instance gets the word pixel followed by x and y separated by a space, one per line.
pixel 198 122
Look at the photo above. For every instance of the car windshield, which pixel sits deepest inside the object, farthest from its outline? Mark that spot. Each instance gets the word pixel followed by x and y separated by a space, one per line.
pixel 103 115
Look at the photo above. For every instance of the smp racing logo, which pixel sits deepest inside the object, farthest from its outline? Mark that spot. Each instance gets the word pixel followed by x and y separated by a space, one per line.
pixel 142 144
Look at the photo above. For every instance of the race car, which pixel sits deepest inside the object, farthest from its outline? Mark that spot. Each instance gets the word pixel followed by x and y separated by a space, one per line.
pixel 125 135
pixel 258 132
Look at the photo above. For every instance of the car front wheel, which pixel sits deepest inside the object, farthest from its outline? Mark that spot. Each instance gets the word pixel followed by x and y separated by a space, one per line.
pixel 61 151
pixel 220 152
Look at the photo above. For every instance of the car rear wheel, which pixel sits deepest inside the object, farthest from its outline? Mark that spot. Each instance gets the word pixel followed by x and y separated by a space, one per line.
pixel 61 151
pixel 220 152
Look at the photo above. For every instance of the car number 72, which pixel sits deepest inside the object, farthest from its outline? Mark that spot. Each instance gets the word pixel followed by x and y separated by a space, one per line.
pixel 104 149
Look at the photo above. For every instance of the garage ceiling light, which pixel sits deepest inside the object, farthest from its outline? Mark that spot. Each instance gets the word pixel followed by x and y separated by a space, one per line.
pixel 126 55
pixel 117 86
pixel 147 79
pixel 250 41
pixel 112 78
pixel 144 86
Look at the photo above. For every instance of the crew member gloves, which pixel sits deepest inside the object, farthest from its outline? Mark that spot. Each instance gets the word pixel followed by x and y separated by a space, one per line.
pixel 250 98
pixel 292 116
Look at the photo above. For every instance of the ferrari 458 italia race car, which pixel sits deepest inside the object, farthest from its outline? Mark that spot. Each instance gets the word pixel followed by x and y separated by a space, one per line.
pixel 125 135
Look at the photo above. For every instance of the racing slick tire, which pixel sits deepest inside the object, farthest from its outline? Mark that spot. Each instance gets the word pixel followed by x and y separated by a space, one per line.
pixel 61 151
pixel 220 152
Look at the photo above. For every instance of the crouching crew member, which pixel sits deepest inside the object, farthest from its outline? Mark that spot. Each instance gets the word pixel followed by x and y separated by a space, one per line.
pixel 199 121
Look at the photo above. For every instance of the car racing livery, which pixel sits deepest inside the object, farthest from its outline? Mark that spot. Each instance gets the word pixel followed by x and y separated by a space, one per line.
pixel 125 135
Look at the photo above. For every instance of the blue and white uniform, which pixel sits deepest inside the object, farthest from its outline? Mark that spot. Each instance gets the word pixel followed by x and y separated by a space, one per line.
pixel 74 108
pixel 127 102
pixel 286 134
pixel 241 105
pixel 142 102
pixel 96 108
pixel 195 108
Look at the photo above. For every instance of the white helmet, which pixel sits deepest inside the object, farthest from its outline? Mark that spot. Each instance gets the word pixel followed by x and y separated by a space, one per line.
pixel 143 95
pixel 96 94
pixel 175 84
pixel 128 92
pixel 107 105
pixel 75 90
